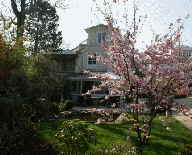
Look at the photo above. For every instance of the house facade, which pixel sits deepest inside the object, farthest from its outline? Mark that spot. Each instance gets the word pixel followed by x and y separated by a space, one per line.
pixel 83 58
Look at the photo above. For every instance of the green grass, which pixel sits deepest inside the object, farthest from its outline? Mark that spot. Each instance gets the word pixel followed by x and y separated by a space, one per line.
pixel 162 142
pixel 168 141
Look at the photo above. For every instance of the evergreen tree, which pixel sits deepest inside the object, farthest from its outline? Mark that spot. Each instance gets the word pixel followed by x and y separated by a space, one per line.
pixel 42 24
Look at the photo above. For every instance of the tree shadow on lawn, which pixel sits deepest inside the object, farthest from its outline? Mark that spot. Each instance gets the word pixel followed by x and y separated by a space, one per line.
pixel 173 138
pixel 156 145
pixel 162 140
pixel 160 148
pixel 111 134
pixel 121 130
pixel 170 141
pixel 176 132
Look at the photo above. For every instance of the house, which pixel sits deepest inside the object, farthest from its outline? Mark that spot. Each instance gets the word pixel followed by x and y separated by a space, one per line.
pixel 83 58
pixel 185 51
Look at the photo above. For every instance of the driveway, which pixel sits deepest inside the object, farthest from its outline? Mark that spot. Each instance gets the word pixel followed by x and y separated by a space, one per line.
pixel 187 101
pixel 185 120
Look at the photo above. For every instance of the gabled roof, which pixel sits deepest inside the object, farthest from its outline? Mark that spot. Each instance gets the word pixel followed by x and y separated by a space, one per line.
pixel 83 44
pixel 96 26
pixel 62 52
pixel 77 49
pixel 67 52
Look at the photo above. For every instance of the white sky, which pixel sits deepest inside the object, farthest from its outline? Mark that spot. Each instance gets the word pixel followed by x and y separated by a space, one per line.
pixel 82 14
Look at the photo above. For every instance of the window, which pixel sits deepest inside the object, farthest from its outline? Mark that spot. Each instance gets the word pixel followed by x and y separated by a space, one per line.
pixel 187 53
pixel 101 37
pixel 92 59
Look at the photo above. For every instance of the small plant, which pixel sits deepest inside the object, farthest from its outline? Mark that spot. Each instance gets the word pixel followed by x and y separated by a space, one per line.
pixel 61 106
pixel 68 104
pixel 75 136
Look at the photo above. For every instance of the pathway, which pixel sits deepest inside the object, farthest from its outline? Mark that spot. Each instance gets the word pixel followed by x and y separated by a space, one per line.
pixel 185 120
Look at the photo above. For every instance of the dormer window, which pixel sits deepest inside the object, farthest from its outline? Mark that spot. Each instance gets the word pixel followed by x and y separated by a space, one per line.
pixel 92 59
pixel 101 37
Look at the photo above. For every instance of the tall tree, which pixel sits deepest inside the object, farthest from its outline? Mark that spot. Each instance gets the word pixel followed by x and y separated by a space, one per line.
pixel 22 8
pixel 42 28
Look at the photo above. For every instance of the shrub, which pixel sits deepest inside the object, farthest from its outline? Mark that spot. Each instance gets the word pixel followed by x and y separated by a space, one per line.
pixel 69 104
pixel 75 136
pixel 187 149
pixel 16 128
pixel 61 106
pixel 44 109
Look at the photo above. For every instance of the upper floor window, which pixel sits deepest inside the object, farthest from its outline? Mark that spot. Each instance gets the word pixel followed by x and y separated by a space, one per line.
pixel 187 53
pixel 92 59
pixel 101 37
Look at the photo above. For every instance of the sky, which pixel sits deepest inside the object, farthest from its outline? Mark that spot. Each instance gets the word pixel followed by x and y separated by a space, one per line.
pixel 81 14
pixel 74 20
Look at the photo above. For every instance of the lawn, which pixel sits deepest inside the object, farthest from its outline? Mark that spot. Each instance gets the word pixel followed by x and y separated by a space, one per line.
pixel 163 141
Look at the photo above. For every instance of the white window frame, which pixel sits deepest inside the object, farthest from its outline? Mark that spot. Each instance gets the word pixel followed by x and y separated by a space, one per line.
pixel 91 59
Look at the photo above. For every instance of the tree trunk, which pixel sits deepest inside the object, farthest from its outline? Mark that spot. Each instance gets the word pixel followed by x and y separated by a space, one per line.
pixel 20 15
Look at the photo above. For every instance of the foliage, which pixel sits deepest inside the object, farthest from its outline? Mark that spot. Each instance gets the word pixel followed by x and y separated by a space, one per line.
pixel 16 126
pixel 187 149
pixel 68 104
pixel 61 106
pixel 46 78
pixel 15 110
pixel 75 136
pixel 117 149
pixel 44 109
pixel 11 57
pixel 18 84
pixel 42 28
pixel 12 60
pixel 20 106
pixel 24 8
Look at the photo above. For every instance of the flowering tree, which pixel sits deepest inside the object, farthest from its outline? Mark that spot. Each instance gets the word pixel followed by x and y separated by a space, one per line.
pixel 158 72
